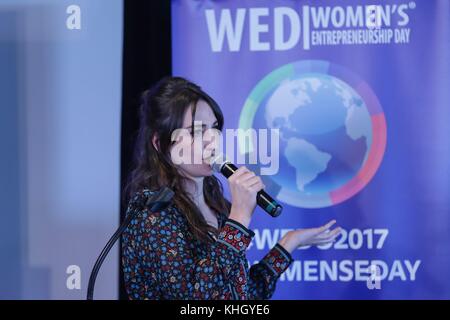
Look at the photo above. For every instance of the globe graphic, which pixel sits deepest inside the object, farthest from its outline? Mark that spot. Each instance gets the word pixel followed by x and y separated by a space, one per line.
pixel 325 136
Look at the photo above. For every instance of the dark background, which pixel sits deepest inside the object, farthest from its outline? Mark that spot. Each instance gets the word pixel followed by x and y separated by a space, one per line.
pixel 147 57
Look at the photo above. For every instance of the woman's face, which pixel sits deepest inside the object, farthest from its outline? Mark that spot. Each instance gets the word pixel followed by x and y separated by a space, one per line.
pixel 194 146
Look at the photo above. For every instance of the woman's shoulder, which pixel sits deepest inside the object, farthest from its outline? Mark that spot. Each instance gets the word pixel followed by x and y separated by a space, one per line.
pixel 140 198
pixel 138 203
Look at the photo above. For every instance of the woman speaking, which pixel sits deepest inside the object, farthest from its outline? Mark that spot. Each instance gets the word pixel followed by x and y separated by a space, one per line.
pixel 195 248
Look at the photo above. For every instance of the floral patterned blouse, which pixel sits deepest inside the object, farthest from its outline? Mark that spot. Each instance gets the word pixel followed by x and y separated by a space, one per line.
pixel 162 260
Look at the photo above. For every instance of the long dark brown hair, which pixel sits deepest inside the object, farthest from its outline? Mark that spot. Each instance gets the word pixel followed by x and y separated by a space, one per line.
pixel 162 111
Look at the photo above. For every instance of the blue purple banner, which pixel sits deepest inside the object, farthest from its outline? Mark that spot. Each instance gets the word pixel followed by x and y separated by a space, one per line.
pixel 358 92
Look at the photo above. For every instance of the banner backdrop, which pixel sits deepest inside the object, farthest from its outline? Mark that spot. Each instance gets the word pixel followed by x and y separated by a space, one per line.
pixel 357 96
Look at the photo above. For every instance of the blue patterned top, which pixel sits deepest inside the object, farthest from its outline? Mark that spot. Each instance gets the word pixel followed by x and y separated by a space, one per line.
pixel 162 259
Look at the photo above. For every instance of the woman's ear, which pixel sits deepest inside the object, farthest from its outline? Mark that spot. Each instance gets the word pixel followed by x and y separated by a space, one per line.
pixel 155 141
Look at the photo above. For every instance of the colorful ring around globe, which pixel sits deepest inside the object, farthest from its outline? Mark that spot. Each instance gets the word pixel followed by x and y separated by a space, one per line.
pixel 377 119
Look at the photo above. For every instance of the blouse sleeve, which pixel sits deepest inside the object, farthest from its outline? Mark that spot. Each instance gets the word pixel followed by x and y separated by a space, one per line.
pixel 158 261
pixel 264 274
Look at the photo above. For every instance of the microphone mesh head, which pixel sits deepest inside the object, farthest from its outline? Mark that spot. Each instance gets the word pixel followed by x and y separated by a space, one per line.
pixel 218 161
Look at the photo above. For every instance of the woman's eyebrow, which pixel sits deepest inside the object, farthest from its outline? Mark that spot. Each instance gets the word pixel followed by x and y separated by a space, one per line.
pixel 203 125
pixel 189 127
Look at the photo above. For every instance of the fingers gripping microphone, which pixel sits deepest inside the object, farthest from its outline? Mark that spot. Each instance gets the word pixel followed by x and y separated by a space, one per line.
pixel 222 165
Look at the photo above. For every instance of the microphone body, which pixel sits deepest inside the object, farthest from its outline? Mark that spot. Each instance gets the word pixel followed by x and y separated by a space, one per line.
pixel 266 202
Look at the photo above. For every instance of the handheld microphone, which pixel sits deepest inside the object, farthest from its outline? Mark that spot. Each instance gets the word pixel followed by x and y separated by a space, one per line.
pixel 267 203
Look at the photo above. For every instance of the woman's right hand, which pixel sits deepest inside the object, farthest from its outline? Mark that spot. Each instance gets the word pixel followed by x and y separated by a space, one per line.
pixel 244 185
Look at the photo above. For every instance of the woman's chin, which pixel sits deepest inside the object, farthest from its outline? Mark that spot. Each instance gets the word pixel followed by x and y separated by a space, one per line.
pixel 208 170
pixel 202 170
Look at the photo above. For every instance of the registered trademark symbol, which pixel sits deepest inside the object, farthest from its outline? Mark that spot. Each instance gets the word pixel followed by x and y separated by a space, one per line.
pixel 412 5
